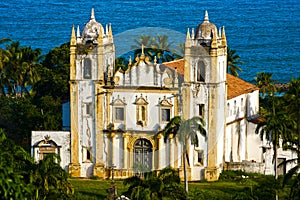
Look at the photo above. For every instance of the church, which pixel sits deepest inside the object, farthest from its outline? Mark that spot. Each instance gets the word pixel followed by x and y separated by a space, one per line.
pixel 117 116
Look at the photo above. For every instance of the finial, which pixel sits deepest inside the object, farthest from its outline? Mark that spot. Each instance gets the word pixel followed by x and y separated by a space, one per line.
pixel 130 61
pixel 214 42
pixel 206 19
pixel 193 33
pixel 106 29
pixel 224 41
pixel 109 30
pixel 73 37
pixel 188 35
pixel 93 14
pixel 142 49
pixel 78 31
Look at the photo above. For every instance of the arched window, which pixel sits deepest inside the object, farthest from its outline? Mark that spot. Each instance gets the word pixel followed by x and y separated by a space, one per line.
pixel 87 70
pixel 201 71
pixel 141 110
pixel 142 156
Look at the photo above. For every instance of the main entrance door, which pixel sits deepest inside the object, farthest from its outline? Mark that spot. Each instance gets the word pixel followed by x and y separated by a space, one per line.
pixel 142 155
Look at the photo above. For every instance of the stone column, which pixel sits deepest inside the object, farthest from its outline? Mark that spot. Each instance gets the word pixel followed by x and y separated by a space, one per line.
pixel 176 157
pixel 125 152
pixel 171 150
pixel 99 168
pixel 130 162
pixel 160 151
pixel 74 168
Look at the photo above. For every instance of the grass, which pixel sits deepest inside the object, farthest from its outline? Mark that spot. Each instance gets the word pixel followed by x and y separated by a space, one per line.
pixel 231 186
pixel 94 189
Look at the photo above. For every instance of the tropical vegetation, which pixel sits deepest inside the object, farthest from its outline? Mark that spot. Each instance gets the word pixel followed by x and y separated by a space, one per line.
pixel 281 124
pixel 22 178
pixel 157 47
pixel 33 88
pixel 233 62
pixel 186 131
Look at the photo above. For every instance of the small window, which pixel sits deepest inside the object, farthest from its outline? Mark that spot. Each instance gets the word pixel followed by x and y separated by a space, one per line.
pixel 201 110
pixel 228 109
pixel 119 114
pixel 165 114
pixel 201 71
pixel 87 72
pixel 86 154
pixel 88 109
pixel 200 157
pixel 242 105
pixel 234 108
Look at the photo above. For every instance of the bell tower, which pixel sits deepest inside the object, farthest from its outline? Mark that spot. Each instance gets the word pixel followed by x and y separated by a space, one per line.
pixel 92 55
pixel 204 88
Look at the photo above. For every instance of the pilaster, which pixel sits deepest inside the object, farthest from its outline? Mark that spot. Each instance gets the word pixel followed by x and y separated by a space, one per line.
pixel 74 168
pixel 125 151
pixel 160 151
pixel 171 139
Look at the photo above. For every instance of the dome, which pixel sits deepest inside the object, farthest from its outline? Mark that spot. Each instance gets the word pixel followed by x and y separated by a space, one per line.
pixel 92 29
pixel 205 30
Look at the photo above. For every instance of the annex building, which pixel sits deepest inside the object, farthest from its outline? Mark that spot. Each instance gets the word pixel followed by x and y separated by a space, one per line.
pixel 116 117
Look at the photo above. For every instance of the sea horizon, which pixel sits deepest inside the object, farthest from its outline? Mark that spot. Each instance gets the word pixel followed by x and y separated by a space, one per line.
pixel 264 33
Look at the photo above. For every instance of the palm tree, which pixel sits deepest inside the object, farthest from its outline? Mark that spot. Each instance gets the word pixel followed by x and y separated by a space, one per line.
pixel 265 82
pixel 4 58
pixel 21 70
pixel 292 100
pixel 186 132
pixel 158 46
pixel 121 63
pixel 162 48
pixel 233 60
pixel 50 179
pixel 31 61
pixel 179 50
pixel 3 53
pixel 146 41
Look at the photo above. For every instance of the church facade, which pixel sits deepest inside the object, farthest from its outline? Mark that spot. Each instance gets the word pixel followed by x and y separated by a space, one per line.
pixel 117 117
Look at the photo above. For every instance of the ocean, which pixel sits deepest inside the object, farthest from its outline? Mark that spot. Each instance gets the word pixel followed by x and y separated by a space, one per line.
pixel 265 33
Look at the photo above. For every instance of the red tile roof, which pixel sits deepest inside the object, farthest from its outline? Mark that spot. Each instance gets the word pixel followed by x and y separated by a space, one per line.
pixel 178 64
pixel 235 85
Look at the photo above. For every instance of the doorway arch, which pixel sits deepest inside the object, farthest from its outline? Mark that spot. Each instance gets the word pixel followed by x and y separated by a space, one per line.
pixel 142 158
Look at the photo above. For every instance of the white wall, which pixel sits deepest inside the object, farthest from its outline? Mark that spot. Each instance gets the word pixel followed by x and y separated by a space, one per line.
pixel 61 138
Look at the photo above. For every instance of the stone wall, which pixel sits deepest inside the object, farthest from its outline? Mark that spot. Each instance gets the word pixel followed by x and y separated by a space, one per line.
pixel 246 166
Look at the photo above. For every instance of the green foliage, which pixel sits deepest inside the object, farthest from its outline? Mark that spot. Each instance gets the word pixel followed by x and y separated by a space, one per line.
pixel 49 179
pixel 186 132
pixel 157 46
pixel 266 84
pixel 18 117
pixel 233 60
pixel 165 185
pixel 55 74
pixel 22 178
pixel 14 162
pixel 19 69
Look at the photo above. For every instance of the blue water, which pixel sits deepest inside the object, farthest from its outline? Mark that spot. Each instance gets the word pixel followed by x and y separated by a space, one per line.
pixel 265 33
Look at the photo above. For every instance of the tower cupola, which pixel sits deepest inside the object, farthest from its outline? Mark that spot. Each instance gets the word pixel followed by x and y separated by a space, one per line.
pixel 205 31
pixel 92 29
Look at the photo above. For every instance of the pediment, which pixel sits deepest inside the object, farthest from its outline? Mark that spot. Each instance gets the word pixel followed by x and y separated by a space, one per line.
pixel 141 100
pixel 118 101
pixel 165 102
